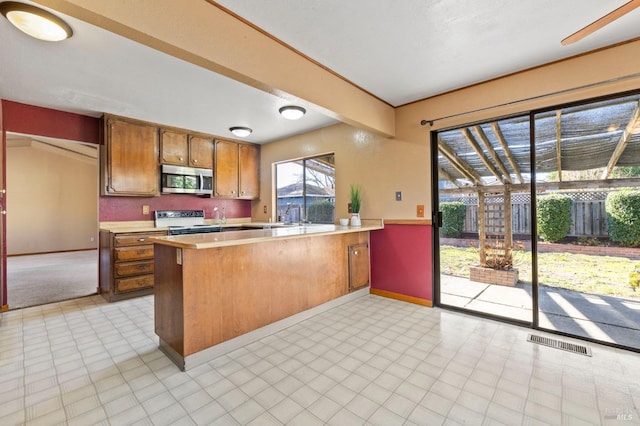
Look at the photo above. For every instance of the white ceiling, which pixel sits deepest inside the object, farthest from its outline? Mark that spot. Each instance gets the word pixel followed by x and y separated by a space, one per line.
pixel 400 51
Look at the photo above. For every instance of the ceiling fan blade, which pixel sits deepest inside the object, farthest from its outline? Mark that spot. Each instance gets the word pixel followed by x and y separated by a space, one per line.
pixel 606 19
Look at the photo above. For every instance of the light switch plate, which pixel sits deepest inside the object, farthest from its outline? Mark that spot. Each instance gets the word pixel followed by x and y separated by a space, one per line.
pixel 398 195
pixel 420 210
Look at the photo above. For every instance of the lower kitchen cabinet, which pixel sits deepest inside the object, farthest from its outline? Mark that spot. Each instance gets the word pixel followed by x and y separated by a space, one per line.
pixel 358 266
pixel 126 264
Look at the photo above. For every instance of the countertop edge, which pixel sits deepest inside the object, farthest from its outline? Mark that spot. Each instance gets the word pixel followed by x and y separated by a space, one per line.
pixel 207 241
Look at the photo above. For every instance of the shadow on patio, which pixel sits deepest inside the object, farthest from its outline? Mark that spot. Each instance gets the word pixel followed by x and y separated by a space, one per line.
pixel 605 318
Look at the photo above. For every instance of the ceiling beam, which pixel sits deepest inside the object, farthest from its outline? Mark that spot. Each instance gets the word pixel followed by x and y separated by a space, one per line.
pixel 487 144
pixel 241 51
pixel 459 164
pixel 447 176
pixel 483 157
pixel 623 142
pixel 507 152
pixel 553 186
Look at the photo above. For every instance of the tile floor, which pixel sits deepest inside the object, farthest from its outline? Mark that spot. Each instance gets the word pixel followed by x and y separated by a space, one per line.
pixel 371 361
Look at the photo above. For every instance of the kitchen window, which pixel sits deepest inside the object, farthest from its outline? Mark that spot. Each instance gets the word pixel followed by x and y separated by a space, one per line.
pixel 306 190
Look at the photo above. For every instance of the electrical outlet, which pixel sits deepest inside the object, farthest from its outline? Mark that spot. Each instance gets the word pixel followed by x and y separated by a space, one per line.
pixel 420 210
pixel 349 208
pixel 398 195
pixel 264 209
pixel 145 209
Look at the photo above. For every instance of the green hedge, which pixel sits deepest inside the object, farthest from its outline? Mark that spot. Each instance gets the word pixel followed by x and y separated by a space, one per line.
pixel 554 216
pixel 623 217
pixel 321 212
pixel 453 214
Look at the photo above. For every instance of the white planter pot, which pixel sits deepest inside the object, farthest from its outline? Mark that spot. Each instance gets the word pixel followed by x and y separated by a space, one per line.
pixel 355 220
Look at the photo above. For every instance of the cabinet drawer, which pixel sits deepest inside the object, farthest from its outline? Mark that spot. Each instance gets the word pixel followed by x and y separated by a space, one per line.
pixel 134 283
pixel 135 239
pixel 133 268
pixel 133 253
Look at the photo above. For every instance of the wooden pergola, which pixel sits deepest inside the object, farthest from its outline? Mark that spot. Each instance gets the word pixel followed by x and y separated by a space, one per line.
pixel 492 160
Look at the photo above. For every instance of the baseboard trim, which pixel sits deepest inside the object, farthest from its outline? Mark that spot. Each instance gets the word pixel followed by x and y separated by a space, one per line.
pixel 401 297
pixel 52 252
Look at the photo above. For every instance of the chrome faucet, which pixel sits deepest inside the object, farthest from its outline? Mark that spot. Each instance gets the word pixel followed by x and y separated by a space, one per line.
pixel 287 212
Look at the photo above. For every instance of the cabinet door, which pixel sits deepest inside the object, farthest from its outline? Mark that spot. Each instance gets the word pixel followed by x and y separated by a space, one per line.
pixel 358 266
pixel 174 148
pixel 201 152
pixel 130 166
pixel 249 171
pixel 226 170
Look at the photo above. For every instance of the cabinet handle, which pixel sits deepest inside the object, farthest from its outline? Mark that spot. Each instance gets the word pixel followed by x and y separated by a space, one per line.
pixel 195 161
pixel 142 239
pixel 181 158
pixel 355 252
pixel 233 192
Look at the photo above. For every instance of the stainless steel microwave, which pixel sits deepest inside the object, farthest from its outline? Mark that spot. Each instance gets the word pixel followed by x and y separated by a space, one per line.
pixel 186 180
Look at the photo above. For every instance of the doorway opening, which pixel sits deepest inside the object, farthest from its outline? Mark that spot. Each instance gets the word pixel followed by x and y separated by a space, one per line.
pixel 52 220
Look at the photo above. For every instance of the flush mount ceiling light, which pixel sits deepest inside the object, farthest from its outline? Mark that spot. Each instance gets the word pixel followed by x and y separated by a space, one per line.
pixel 36 22
pixel 292 112
pixel 241 132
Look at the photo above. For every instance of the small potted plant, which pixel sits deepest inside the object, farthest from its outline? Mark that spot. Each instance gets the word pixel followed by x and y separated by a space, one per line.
pixel 356 202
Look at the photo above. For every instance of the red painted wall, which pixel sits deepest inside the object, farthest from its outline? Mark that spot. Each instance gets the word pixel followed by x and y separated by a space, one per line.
pixel 401 260
pixel 33 120
pixel 130 208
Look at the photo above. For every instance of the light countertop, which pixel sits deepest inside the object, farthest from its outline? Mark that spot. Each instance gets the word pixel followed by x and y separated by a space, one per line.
pixel 222 239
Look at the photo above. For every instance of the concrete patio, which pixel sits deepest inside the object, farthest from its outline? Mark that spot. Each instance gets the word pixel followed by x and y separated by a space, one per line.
pixel 605 318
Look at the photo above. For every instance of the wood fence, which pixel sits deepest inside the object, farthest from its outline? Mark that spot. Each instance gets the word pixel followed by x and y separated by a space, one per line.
pixel 588 218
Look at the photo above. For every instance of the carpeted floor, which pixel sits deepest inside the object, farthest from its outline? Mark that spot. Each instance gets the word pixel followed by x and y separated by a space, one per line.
pixel 44 278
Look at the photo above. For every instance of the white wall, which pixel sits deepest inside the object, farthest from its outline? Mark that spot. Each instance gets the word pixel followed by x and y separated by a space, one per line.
pixel 52 199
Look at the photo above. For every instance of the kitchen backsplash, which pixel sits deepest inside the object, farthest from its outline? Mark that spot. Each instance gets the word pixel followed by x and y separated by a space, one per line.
pixel 130 208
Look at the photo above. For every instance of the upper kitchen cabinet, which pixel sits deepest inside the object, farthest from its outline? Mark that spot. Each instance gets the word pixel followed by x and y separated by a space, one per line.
pixel 201 152
pixel 182 149
pixel 236 170
pixel 249 173
pixel 129 160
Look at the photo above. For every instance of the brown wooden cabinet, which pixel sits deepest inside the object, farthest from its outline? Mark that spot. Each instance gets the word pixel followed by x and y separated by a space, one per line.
pixel 201 152
pixel 174 147
pixel 236 170
pixel 358 266
pixel 183 149
pixel 249 171
pixel 126 264
pixel 129 158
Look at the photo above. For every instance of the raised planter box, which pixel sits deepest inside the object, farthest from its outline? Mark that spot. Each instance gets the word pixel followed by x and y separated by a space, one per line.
pixel 493 276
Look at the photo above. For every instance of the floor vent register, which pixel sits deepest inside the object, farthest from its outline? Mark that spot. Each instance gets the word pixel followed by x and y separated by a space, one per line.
pixel 559 344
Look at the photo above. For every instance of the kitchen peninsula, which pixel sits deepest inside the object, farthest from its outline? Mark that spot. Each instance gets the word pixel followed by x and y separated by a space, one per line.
pixel 210 289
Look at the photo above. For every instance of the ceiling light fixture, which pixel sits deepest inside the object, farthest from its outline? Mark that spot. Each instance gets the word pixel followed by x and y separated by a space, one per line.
pixel 292 112
pixel 241 132
pixel 36 22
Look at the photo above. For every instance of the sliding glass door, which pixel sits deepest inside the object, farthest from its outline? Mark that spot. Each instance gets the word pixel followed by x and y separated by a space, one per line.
pixel 484 199
pixel 588 216
pixel 567 223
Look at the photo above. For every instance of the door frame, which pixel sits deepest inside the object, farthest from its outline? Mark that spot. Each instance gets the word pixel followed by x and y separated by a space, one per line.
pixel 534 324
pixel 435 191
